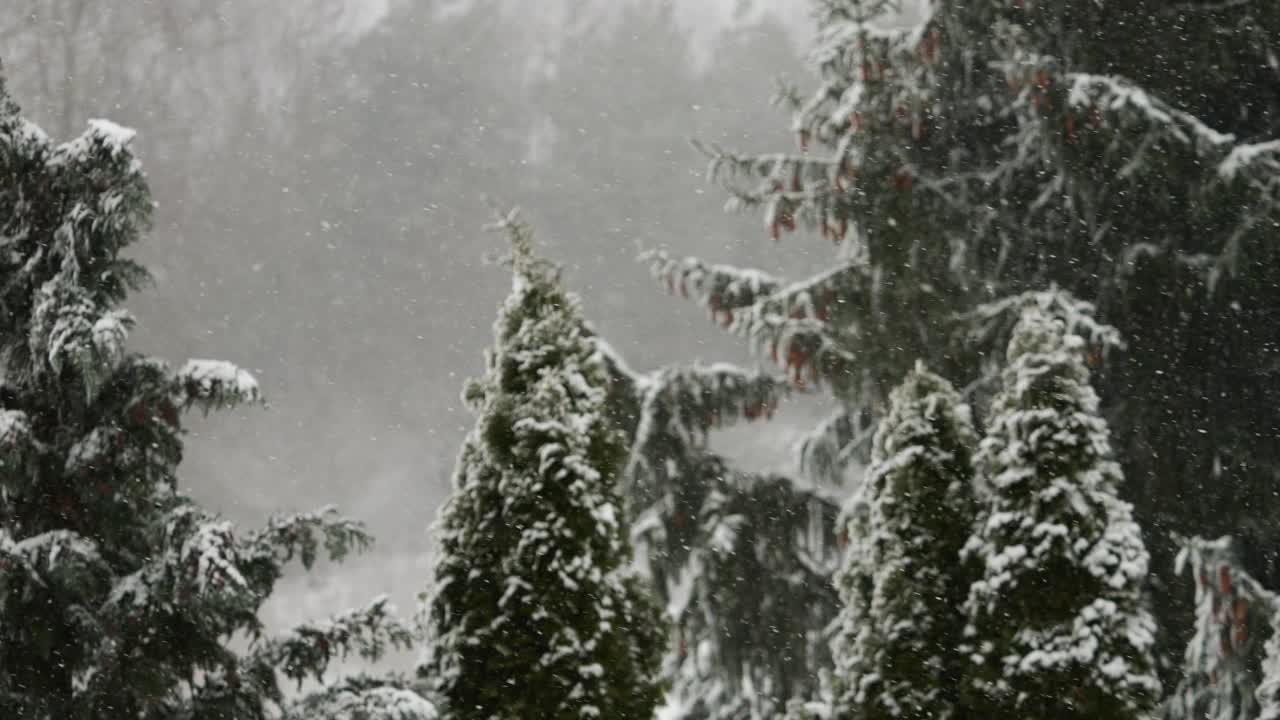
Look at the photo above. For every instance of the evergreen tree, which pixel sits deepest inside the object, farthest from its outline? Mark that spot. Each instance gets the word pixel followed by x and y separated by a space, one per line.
pixel 901 582
pixel 1058 627
pixel 1230 665
pixel 120 597
pixel 741 560
pixel 999 147
pixel 534 611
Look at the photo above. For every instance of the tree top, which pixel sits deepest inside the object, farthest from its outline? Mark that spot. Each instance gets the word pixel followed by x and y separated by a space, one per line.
pixel 524 263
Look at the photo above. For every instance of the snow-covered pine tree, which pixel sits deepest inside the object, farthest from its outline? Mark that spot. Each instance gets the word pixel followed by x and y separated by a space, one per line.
pixel 535 611
pixel 721 649
pixel 1057 627
pixel 119 597
pixel 1000 146
pixel 902 583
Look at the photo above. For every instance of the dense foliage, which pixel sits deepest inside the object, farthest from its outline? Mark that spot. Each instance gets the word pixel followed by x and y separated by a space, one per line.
pixel 534 610
pixel 1058 626
pixel 119 596
pixel 898 644
pixel 1000 148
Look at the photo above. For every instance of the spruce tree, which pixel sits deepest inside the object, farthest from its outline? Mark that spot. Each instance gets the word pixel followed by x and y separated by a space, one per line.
pixel 1002 147
pixel 534 610
pixel 901 582
pixel 119 596
pixel 1057 622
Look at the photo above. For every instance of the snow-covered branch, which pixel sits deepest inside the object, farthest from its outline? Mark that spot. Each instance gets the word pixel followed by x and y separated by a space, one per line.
pixel 720 288
pixel 213 384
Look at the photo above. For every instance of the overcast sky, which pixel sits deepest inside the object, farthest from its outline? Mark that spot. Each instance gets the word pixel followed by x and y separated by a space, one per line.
pixel 320 173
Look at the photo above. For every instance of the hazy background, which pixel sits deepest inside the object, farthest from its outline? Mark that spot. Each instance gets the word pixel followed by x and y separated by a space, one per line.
pixel 320 169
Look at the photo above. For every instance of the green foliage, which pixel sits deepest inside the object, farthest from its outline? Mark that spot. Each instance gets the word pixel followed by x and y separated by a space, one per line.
pixel 1058 626
pixel 306 650
pixel 120 597
pixel 534 611
pixel 1003 147
pixel 741 560
pixel 902 582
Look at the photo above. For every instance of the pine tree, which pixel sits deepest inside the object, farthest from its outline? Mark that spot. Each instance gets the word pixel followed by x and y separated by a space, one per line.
pixel 901 582
pixel 534 611
pixel 119 596
pixel 1058 625
pixel 1000 147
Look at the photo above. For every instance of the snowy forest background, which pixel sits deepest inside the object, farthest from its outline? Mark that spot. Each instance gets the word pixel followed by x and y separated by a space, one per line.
pixel 320 175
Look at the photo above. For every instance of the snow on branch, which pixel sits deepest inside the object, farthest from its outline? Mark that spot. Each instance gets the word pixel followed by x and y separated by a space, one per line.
pixel 839 440
pixel 86 452
pixel 202 560
pixel 207 549
pixel 12 559
pixel 1263 157
pixel 69 329
pixel 364 698
pixel 720 288
pixel 307 650
pixel 102 136
pixel 792 188
pixel 818 297
pixel 808 349
pixel 1117 95
pixel 687 402
pixel 1234 613
pixel 15 437
pixel 110 333
pixel 792 320
pixel 991 324
pixel 214 384
pixel 1259 165
pixel 25 135
pixel 61 558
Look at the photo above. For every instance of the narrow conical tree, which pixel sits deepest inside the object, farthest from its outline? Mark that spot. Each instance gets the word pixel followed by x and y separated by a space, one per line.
pixel 534 611
pixel 1058 627
pixel 901 582
pixel 118 594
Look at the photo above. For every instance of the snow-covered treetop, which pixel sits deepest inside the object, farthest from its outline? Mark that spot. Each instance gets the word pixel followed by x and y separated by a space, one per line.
pixel 533 610
pixel 901 581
